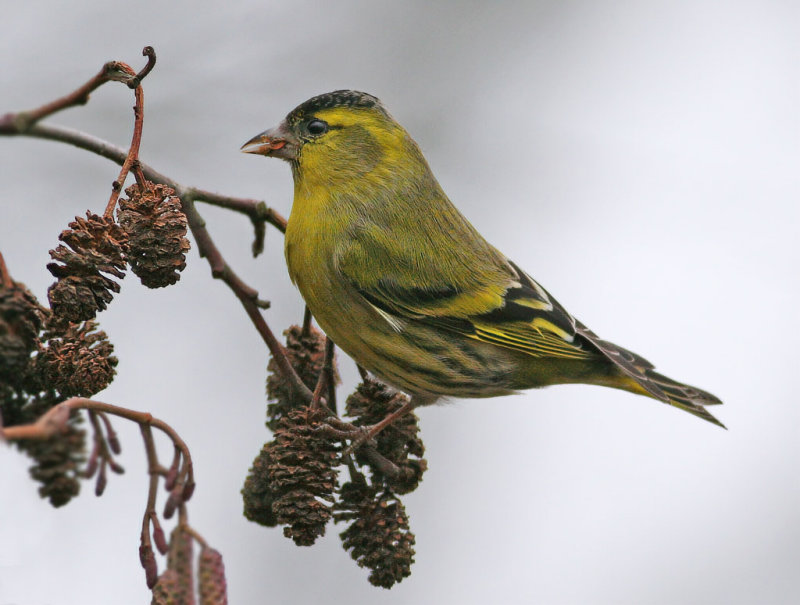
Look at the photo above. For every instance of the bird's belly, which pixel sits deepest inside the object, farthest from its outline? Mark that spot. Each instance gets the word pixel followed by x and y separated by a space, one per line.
pixel 416 358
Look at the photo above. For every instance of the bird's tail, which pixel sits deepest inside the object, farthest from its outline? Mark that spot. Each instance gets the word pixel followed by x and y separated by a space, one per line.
pixel 639 376
pixel 685 397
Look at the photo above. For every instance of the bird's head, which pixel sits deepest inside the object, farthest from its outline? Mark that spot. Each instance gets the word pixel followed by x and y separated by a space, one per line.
pixel 337 136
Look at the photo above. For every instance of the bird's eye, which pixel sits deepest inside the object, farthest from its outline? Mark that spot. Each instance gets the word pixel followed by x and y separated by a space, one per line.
pixel 317 127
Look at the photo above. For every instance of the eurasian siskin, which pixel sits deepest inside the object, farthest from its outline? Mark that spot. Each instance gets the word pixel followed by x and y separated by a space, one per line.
pixel 405 285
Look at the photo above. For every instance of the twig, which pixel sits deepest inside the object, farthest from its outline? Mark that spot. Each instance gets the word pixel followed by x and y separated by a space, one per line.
pixel 255 209
pixel 383 464
pixel 307 317
pixel 113 71
pixel 133 151
pixel 55 421
pixel 153 468
pixel 197 537
pixel 330 379
pixel 246 295
pixel 150 53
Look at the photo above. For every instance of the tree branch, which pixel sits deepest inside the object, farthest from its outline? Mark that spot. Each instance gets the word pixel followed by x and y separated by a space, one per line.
pixel 255 209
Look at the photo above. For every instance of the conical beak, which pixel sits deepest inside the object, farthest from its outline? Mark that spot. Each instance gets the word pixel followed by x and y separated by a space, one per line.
pixel 276 142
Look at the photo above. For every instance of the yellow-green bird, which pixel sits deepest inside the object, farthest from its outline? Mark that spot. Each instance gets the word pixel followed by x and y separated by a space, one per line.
pixel 405 285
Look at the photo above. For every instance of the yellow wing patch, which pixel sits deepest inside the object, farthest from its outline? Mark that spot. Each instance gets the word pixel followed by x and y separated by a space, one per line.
pixel 539 338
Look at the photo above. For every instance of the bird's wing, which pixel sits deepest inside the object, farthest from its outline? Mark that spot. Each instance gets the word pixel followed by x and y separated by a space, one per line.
pixel 519 315
pixel 522 316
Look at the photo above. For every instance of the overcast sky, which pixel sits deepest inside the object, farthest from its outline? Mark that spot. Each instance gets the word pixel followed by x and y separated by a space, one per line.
pixel 639 159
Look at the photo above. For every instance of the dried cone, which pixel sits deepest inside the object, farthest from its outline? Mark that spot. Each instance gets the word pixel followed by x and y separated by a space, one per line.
pixel 57 463
pixel 399 442
pixel 21 319
pixel 78 359
pixel 378 537
pixel 156 225
pixel 302 476
pixel 306 354
pixel 256 493
pixel 211 578
pixel 95 248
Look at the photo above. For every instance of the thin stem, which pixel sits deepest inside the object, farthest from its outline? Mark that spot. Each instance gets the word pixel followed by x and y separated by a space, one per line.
pixel 255 209
pixel 330 379
pixel 325 378
pixel 197 537
pixel 133 151
pixel 307 317
pixel 55 421
pixel 150 53
pixel 152 490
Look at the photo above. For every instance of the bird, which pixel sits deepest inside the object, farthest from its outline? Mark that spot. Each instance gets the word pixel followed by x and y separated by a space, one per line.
pixel 402 282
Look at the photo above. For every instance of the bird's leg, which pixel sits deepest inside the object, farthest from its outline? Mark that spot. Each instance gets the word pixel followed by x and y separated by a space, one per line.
pixel 369 432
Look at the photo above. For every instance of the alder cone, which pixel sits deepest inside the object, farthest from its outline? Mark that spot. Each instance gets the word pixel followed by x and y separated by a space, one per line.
pixel 78 359
pixel 378 536
pixel 257 494
pixel 21 319
pixel 95 249
pixel 156 227
pixel 302 476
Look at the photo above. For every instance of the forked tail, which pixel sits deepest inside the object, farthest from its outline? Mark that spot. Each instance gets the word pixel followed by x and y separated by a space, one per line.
pixel 685 397
pixel 643 379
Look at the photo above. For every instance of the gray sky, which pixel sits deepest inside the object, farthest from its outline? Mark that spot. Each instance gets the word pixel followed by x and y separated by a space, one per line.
pixel 639 159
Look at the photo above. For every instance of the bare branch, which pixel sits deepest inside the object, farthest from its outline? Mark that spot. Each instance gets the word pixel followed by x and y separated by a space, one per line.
pixel 255 209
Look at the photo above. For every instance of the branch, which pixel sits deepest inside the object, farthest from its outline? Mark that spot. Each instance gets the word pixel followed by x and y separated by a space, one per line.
pixel 113 71
pixel 55 420
pixel 246 295
pixel 256 210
